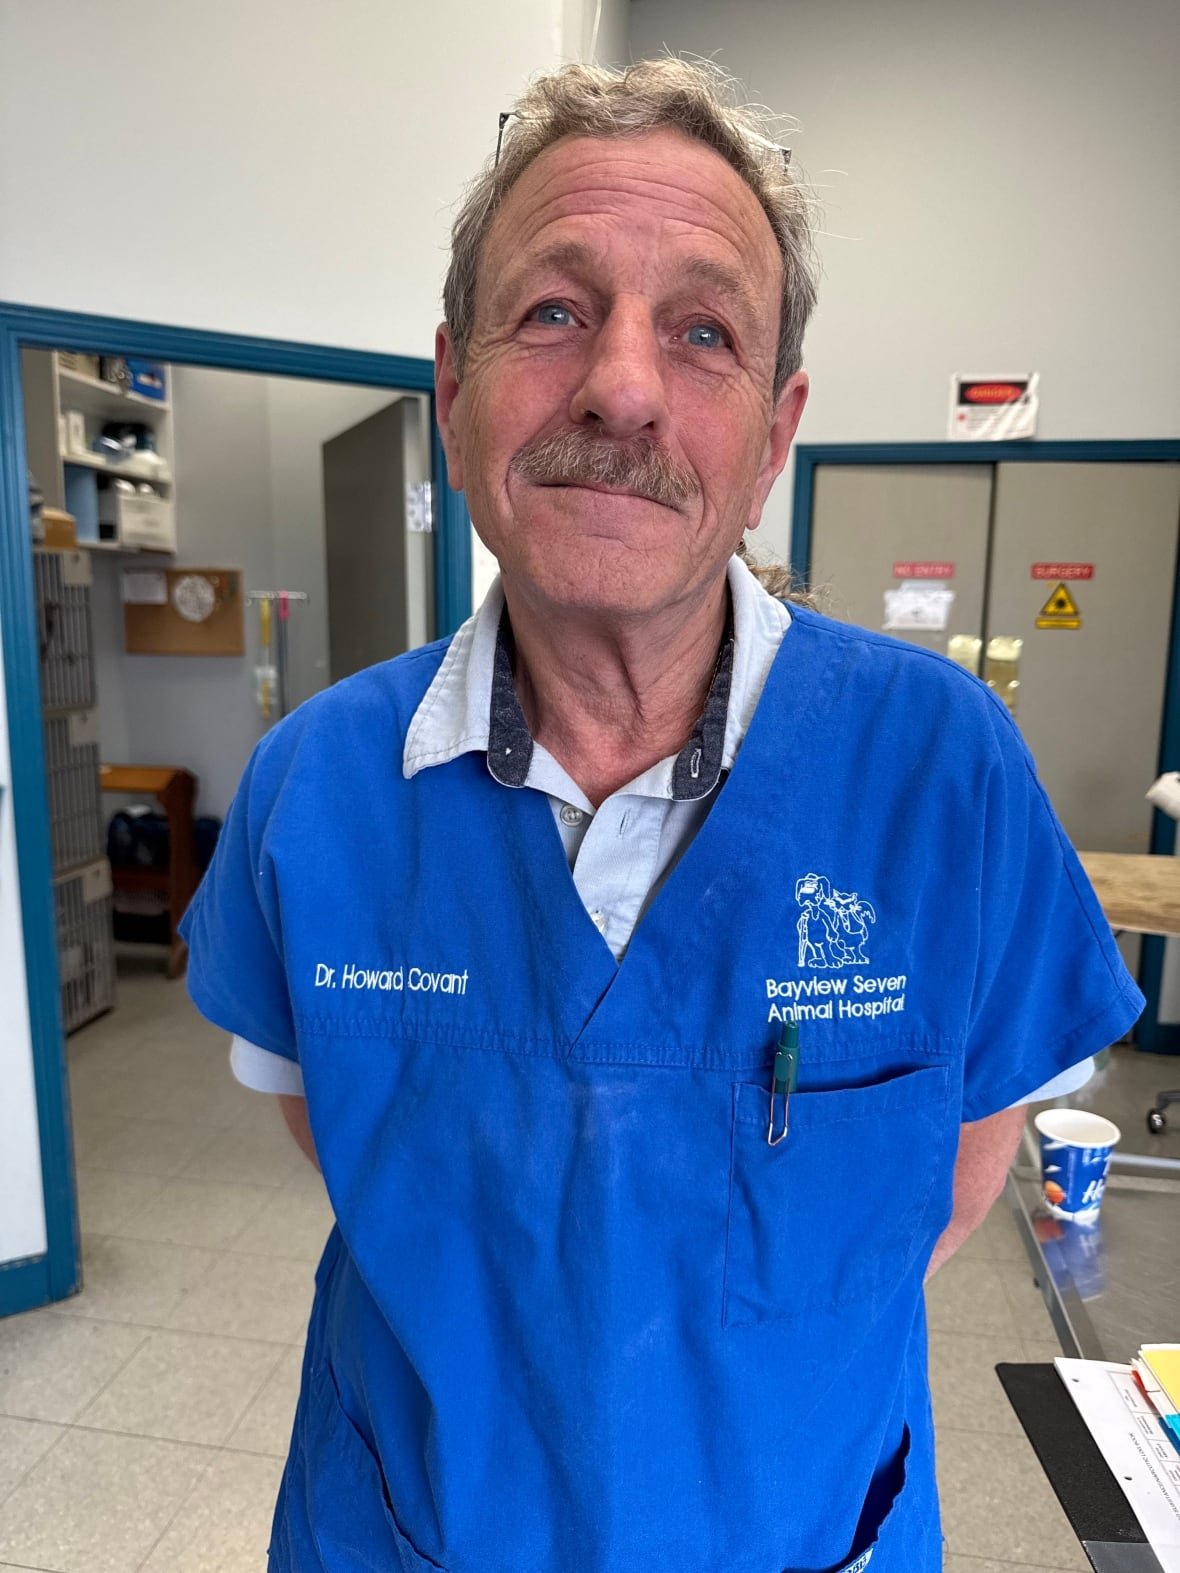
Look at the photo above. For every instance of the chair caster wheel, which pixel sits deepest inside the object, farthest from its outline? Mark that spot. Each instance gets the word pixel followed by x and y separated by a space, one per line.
pixel 1156 1121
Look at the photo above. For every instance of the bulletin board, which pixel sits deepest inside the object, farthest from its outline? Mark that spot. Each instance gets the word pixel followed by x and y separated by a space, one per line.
pixel 183 611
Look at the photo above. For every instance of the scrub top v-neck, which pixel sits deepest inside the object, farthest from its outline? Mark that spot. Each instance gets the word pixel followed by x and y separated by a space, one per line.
pixel 577 1315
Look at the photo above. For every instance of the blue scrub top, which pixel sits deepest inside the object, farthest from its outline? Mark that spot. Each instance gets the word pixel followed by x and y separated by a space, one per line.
pixel 577 1315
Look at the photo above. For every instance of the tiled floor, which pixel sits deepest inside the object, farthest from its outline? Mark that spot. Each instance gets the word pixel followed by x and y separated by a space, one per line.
pixel 143 1424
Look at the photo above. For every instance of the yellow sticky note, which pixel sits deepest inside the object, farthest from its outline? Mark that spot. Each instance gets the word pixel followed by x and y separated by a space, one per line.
pixel 1164 1361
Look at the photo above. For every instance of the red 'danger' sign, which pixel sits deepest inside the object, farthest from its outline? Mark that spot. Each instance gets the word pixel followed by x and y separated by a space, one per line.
pixel 1063 570
pixel 923 570
pixel 993 409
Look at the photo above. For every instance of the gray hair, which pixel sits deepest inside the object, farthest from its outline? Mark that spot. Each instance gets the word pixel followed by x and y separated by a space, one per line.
pixel 697 98
pixel 779 579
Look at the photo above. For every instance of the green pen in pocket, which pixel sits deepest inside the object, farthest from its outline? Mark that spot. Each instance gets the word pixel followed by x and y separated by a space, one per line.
pixel 783 1079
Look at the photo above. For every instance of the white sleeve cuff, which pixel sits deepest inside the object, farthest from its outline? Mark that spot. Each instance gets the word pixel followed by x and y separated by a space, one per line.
pixel 264 1071
pixel 1069 1081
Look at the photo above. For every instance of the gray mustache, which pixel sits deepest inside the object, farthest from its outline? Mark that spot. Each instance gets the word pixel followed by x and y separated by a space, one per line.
pixel 575 458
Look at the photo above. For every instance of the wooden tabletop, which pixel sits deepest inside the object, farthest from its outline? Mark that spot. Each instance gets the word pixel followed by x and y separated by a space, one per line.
pixel 152 779
pixel 1139 893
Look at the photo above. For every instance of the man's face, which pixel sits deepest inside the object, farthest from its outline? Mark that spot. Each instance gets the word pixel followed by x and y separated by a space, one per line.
pixel 614 430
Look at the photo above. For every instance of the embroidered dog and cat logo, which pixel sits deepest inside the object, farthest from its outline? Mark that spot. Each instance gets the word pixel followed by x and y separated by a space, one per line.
pixel 833 924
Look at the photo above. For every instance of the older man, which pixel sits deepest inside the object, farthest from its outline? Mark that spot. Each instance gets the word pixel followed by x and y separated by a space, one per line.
pixel 648 952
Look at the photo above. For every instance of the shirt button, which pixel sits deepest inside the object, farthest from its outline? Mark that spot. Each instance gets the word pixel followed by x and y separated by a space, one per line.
pixel 599 920
pixel 571 815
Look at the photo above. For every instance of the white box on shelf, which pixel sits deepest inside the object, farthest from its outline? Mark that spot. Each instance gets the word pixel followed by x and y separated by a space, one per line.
pixel 75 432
pixel 147 521
pixel 139 519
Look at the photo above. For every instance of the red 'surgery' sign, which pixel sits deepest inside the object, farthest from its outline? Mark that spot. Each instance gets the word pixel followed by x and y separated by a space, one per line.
pixel 1063 570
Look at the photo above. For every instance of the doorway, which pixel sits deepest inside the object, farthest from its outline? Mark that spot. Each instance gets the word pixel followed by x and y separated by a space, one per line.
pixel 39 1238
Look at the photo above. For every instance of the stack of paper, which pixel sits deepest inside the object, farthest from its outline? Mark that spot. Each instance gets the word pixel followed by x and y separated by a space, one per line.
pixel 1139 1450
pixel 1157 1369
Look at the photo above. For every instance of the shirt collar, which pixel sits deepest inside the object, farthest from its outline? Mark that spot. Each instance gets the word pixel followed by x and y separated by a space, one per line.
pixel 695 770
pixel 471 703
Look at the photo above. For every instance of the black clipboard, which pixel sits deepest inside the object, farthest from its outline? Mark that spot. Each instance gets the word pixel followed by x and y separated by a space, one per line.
pixel 1098 1512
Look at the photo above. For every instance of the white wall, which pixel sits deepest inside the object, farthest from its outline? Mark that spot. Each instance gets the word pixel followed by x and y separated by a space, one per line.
pixel 613 18
pixel 1000 192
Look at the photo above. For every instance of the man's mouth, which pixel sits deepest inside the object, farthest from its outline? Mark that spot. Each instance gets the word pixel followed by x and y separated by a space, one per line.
pixel 599 486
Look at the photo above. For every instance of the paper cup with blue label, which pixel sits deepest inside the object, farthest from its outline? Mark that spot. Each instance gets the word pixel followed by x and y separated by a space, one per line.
pixel 1075 1155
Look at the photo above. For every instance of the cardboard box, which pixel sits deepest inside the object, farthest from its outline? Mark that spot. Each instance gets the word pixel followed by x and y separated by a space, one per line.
pixel 60 534
pixel 75 360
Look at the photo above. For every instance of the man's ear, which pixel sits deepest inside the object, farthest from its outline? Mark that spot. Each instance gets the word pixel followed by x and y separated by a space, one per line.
pixel 787 412
pixel 446 392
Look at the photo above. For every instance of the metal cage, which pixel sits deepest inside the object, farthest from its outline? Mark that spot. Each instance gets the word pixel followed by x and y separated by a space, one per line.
pixel 62 581
pixel 72 788
pixel 85 943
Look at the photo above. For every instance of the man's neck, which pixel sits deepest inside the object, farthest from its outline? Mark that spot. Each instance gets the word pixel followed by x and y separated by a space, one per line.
pixel 608 698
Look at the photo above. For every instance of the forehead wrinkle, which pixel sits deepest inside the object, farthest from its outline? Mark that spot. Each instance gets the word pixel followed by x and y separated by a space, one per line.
pixel 681 206
pixel 632 167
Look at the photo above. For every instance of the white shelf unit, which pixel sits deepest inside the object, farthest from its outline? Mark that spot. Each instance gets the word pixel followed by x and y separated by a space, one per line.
pixel 130 470
pixel 95 397
pixel 69 479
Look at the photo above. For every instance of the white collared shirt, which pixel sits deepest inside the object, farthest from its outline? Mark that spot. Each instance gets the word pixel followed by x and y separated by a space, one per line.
pixel 621 853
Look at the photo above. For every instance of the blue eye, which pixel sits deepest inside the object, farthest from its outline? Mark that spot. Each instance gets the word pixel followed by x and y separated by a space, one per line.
pixel 706 336
pixel 553 314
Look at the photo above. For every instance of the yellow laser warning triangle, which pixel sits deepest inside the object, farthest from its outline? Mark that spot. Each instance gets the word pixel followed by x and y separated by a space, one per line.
pixel 1059 611
pixel 1059 604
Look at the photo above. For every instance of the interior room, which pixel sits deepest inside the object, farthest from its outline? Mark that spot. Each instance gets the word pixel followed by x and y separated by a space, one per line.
pixel 284 495
pixel 223 490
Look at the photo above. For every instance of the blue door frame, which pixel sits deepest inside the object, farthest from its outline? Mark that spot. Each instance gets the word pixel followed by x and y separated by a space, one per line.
pixel 39 1279
pixel 1149 1034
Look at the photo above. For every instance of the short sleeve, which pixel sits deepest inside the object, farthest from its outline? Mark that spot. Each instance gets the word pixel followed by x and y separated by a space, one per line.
pixel 236 975
pixel 1050 986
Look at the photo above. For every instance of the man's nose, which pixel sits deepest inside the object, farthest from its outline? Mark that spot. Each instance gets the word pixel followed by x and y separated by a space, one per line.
pixel 623 389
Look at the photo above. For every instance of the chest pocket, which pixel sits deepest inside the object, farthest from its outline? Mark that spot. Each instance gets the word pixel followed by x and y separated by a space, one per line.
pixel 838 1212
